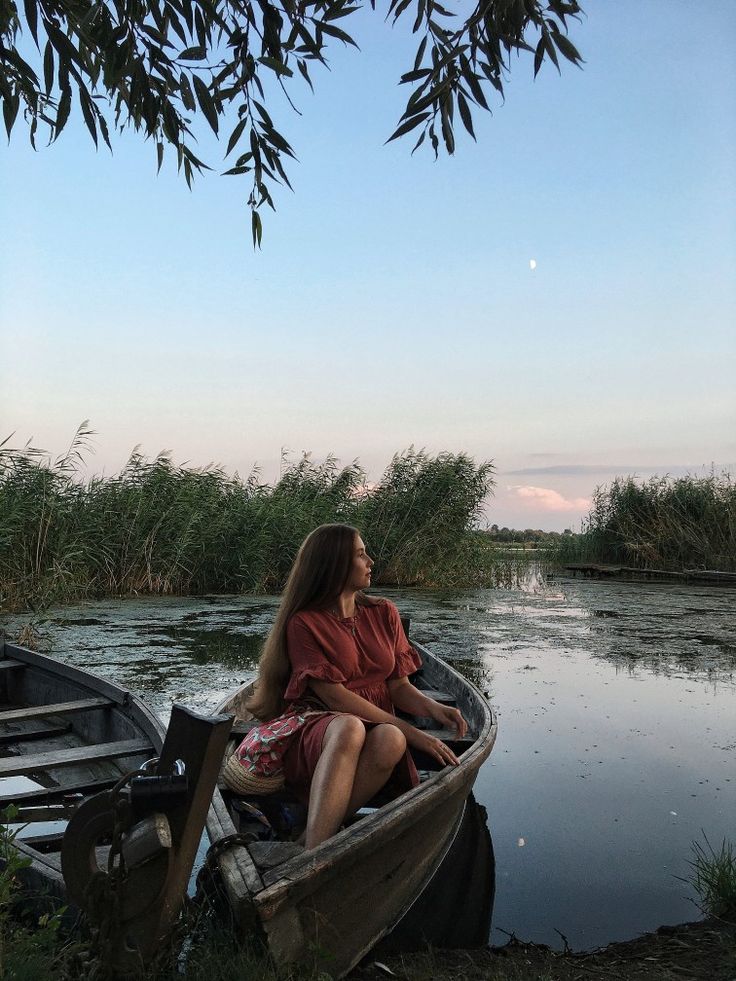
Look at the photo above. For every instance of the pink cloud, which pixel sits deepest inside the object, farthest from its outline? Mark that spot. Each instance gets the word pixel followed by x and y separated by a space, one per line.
pixel 549 500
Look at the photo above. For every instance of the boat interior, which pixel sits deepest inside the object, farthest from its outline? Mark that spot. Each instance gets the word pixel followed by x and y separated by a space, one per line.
pixel 63 737
pixel 275 822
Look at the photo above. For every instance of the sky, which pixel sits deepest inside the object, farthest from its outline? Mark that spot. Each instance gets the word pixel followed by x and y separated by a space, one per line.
pixel 559 297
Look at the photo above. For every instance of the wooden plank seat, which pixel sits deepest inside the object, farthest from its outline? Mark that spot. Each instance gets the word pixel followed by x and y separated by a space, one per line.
pixel 25 735
pixel 50 794
pixel 58 708
pixel 45 813
pixel 17 765
pixel 50 842
pixel 450 736
pixel 426 762
pixel 443 697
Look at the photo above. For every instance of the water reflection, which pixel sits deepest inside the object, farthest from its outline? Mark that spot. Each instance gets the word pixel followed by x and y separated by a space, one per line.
pixel 455 909
pixel 616 741
pixel 219 644
pixel 614 748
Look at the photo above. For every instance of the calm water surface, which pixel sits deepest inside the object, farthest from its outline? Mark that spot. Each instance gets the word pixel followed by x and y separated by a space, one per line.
pixel 617 727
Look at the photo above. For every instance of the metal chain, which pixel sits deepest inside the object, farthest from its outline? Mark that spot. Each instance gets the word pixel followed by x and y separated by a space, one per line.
pixel 209 867
pixel 103 891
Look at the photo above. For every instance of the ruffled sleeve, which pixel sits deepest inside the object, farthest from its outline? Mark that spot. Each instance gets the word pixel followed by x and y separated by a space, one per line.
pixel 406 658
pixel 308 660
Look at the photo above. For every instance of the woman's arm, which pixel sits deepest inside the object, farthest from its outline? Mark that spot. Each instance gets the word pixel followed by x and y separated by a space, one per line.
pixel 341 699
pixel 409 699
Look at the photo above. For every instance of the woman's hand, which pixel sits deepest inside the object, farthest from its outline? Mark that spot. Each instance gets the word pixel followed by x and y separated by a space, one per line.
pixel 423 741
pixel 340 699
pixel 409 699
pixel 449 718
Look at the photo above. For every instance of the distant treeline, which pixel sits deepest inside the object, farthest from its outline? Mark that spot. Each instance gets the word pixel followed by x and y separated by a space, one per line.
pixel 159 528
pixel 664 523
pixel 529 537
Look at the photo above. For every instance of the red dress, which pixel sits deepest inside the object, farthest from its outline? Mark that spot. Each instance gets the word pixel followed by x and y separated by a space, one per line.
pixel 362 654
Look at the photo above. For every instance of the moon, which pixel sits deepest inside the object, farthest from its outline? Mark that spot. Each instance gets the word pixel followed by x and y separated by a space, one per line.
pixel 532 264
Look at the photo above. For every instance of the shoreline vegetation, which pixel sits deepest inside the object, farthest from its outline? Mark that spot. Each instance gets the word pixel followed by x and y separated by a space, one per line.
pixel 161 529
pixel 669 524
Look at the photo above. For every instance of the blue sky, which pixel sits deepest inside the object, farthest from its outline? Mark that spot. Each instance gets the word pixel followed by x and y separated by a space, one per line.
pixel 393 301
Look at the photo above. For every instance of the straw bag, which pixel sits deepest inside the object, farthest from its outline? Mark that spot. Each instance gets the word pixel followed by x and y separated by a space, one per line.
pixel 257 765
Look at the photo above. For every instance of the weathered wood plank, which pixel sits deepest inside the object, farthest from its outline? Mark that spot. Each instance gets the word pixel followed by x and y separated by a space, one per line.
pixel 54 793
pixel 443 697
pixel 601 571
pixel 28 735
pixel 43 843
pixel 59 708
pixel 240 875
pixel 84 680
pixel 57 812
pixel 269 854
pixel 7 664
pixel 450 736
pixel 17 765
pixel 241 728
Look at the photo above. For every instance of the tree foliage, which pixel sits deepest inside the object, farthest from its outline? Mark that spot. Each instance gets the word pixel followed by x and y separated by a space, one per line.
pixel 158 65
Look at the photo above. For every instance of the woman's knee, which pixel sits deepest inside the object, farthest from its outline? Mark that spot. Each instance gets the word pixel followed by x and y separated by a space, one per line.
pixel 345 732
pixel 388 742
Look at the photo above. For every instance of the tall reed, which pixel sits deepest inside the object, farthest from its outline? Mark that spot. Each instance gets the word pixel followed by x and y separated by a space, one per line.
pixel 159 528
pixel 663 523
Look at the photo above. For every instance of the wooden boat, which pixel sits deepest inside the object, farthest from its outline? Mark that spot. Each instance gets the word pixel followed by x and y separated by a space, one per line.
pixel 113 841
pixel 64 735
pixel 333 903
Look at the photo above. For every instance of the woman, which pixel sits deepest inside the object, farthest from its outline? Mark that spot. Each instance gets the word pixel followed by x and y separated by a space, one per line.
pixel 333 645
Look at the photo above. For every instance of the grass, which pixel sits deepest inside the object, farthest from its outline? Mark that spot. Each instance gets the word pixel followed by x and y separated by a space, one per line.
pixel 37 948
pixel 158 528
pixel 31 948
pixel 205 950
pixel 714 878
pixel 664 523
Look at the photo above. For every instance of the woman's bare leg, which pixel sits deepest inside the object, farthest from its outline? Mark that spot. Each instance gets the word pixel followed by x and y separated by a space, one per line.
pixel 333 778
pixel 385 744
pixel 352 767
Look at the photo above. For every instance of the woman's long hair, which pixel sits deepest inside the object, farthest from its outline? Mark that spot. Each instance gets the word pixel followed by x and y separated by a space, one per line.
pixel 318 576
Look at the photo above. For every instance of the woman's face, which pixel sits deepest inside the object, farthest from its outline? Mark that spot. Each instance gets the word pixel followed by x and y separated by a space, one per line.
pixel 360 570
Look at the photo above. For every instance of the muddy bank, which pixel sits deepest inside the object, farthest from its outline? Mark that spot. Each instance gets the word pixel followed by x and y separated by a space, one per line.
pixel 701 951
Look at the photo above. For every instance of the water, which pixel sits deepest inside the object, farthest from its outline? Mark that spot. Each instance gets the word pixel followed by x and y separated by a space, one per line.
pixel 617 727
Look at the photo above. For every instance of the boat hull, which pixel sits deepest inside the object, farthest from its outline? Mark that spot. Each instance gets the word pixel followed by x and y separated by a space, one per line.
pixel 335 902
pixel 67 734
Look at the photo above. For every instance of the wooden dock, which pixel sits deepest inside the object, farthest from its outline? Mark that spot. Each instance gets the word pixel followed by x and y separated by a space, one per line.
pixel 708 577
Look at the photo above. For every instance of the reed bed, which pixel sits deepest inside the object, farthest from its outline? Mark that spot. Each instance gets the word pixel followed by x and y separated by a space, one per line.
pixel 677 524
pixel 159 528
